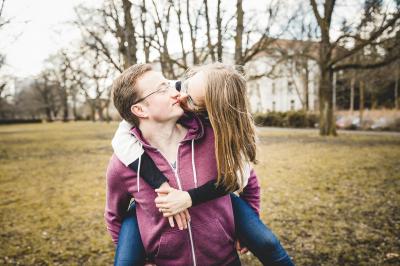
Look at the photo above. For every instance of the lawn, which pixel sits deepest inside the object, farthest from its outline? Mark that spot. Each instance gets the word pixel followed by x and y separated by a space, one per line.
pixel 331 201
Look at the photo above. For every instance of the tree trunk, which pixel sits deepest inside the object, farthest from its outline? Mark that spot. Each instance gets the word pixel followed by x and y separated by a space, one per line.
pixel 306 87
pixel 209 44
pixel 362 87
pixel 219 32
pixel 327 125
pixel 396 89
pixel 181 37
pixel 48 114
pixel 239 33
pixel 100 112
pixel 65 104
pixel 93 110
pixel 146 46
pixel 352 83
pixel 192 36
pixel 334 92
pixel 74 111
pixel 129 31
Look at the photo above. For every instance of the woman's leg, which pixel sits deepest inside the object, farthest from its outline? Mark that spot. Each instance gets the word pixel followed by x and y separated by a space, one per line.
pixel 130 250
pixel 256 236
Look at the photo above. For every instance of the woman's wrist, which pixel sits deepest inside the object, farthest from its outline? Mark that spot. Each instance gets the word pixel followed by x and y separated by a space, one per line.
pixel 188 199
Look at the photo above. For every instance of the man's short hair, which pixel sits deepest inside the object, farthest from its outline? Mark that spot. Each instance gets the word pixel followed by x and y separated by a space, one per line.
pixel 125 93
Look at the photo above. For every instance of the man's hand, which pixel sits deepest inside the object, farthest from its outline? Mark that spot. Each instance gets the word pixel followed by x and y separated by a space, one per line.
pixel 182 220
pixel 172 201
pixel 240 249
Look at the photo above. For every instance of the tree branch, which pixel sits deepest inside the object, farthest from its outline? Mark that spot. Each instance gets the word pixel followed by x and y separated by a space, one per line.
pixel 373 37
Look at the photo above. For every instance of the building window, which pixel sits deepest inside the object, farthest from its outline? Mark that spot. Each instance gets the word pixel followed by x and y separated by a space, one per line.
pixel 292 105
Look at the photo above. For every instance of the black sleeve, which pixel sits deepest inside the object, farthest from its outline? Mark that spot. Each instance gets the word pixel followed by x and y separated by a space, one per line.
pixel 149 171
pixel 153 176
pixel 206 192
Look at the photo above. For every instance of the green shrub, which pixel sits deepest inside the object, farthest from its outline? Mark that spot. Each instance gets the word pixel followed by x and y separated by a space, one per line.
pixel 298 119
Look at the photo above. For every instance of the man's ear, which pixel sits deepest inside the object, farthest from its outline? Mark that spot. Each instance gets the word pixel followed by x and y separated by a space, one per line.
pixel 139 110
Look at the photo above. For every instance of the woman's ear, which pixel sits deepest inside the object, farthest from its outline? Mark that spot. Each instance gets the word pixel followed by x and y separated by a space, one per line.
pixel 139 110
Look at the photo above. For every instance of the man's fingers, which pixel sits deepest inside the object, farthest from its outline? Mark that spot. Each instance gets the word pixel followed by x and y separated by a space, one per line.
pixel 183 217
pixel 179 222
pixel 171 221
pixel 167 214
pixel 186 212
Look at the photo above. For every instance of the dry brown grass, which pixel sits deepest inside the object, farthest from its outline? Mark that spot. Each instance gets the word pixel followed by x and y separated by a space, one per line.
pixel 331 201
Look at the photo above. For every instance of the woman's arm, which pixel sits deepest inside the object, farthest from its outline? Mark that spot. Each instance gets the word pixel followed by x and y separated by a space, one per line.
pixel 153 176
pixel 128 150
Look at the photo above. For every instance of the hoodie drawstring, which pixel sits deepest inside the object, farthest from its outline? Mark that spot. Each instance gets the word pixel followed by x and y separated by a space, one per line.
pixel 194 165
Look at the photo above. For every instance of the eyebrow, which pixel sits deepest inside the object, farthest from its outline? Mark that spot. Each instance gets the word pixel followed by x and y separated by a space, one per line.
pixel 162 83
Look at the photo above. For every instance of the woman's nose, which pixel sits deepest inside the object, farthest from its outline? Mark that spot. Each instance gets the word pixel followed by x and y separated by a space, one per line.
pixel 183 97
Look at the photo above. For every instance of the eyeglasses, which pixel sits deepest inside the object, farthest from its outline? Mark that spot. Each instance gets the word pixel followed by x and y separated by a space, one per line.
pixel 191 104
pixel 162 89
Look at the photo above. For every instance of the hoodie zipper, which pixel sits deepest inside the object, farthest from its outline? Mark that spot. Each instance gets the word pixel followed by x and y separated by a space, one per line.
pixel 180 188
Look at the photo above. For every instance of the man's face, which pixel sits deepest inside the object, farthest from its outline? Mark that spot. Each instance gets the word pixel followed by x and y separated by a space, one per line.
pixel 161 103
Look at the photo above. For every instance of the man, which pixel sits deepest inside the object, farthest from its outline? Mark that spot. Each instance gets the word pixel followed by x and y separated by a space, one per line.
pixel 183 149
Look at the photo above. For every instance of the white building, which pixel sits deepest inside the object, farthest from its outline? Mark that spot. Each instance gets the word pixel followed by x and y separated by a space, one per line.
pixel 281 74
pixel 283 78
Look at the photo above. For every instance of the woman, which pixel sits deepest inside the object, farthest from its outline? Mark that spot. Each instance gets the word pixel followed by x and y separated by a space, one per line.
pixel 219 93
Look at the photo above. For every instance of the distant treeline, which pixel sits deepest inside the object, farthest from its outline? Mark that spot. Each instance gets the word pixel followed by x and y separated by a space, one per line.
pixel 19 121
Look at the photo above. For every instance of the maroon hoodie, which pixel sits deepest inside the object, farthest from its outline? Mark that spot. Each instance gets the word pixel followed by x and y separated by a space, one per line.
pixel 209 239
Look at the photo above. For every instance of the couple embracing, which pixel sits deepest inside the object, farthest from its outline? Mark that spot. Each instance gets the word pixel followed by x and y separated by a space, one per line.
pixel 184 154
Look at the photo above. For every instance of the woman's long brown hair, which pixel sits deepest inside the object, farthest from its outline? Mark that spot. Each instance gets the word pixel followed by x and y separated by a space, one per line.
pixel 228 111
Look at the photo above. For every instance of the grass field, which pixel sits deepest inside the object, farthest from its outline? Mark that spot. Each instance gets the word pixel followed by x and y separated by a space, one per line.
pixel 331 201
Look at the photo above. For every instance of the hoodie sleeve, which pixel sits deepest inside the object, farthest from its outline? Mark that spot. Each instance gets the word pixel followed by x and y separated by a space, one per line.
pixel 117 199
pixel 251 192
pixel 126 147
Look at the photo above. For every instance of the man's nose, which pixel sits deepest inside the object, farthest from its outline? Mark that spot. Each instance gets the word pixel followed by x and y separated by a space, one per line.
pixel 175 93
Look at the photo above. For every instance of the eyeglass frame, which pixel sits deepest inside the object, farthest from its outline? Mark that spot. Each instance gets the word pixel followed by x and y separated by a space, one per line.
pixel 161 87
pixel 191 103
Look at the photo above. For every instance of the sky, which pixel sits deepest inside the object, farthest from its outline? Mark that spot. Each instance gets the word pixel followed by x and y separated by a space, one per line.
pixel 39 28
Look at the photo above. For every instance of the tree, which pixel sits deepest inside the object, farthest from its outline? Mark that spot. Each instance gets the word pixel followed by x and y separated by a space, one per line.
pixel 331 58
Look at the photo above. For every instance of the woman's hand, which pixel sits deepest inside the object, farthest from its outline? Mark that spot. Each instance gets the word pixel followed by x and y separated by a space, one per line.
pixel 242 250
pixel 171 201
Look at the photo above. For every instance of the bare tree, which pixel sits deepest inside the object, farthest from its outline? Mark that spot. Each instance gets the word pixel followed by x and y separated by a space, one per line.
pixel 219 32
pixel 178 11
pixel 144 36
pixel 330 62
pixel 3 21
pixel 46 92
pixel 113 20
pixel 263 36
pixel 209 42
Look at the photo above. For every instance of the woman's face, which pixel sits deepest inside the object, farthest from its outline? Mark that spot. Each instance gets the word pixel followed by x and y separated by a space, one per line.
pixel 193 91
